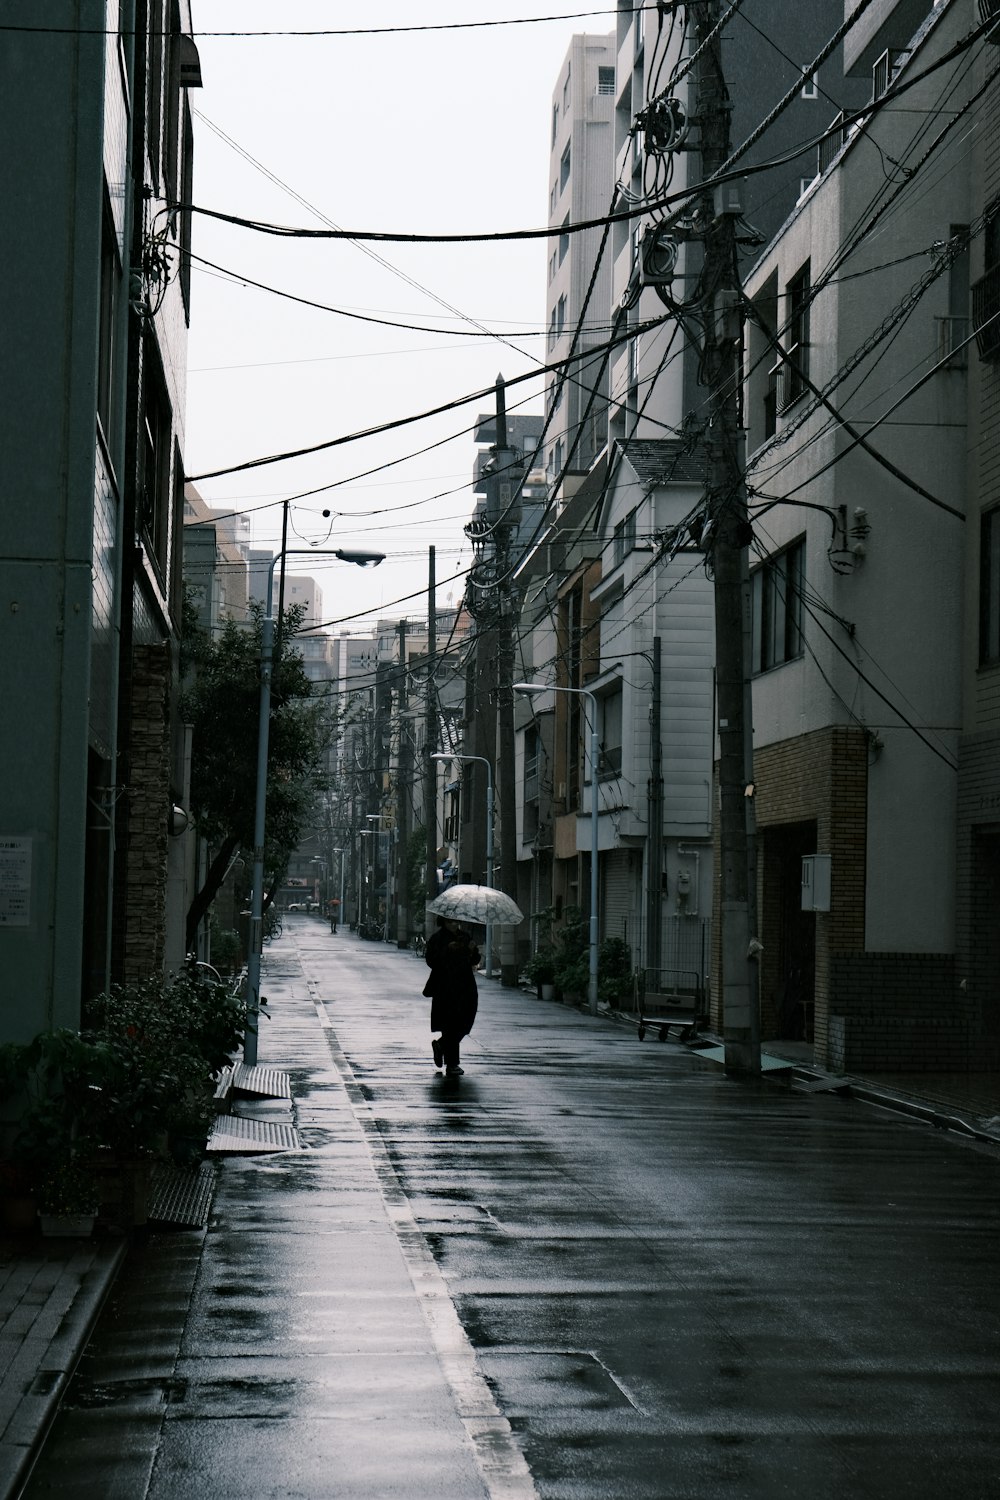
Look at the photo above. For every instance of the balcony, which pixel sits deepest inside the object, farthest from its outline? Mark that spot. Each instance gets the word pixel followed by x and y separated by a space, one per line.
pixel 986 314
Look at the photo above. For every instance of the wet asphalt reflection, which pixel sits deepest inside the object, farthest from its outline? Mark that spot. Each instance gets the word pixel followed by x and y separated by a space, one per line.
pixel 674 1284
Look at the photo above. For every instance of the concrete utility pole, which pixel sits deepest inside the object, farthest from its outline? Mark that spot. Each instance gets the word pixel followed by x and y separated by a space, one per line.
pixel 654 887
pixel 403 773
pixel 506 513
pixel 730 535
pixel 430 712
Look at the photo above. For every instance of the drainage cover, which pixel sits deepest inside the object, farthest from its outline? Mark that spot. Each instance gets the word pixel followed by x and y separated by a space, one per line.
pixel 269 1083
pixel 232 1135
pixel 182 1196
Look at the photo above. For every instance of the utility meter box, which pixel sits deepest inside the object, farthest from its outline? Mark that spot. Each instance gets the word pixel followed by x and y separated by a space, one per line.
pixel 815 882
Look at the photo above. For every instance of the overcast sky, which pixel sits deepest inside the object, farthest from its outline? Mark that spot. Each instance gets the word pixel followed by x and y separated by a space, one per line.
pixel 436 131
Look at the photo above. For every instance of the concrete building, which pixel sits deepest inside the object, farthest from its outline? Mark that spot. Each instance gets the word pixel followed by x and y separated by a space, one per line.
pixel 97 131
pixel 978 896
pixel 581 181
pixel 858 438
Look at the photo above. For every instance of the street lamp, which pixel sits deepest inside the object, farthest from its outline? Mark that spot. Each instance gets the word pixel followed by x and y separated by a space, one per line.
pixel 547 687
pixel 361 560
pixel 489 841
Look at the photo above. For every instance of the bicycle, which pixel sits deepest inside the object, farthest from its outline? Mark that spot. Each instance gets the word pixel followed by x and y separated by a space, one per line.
pixel 419 943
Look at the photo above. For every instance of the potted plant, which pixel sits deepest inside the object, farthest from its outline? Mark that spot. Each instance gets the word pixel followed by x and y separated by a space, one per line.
pixel 540 970
pixel 615 979
pixel 68 1199
pixel 572 960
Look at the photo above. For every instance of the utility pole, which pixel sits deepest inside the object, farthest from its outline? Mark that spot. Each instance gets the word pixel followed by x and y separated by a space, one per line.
pixel 730 536
pixel 654 887
pixel 402 802
pixel 430 721
pixel 506 514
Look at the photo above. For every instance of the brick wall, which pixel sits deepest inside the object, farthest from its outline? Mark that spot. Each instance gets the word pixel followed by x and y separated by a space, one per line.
pixel 819 778
pixel 149 805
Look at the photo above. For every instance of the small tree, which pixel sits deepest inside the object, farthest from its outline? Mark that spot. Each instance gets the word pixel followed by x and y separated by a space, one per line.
pixel 222 704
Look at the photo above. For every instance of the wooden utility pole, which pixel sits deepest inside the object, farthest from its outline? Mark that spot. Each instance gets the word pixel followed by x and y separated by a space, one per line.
pixel 730 535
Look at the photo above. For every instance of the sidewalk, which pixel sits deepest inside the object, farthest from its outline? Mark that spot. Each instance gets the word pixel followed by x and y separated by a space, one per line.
pixel 315 1278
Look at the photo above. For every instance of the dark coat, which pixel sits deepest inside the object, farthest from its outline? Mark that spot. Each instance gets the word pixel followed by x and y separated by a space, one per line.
pixel 452 958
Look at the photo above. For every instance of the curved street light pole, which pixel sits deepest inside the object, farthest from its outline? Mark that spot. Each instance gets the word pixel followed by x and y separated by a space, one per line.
pixel 546 687
pixel 489 841
pixel 361 560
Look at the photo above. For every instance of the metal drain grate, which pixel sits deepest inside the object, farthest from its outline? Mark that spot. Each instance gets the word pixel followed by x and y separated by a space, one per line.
pixel 232 1135
pixel 182 1196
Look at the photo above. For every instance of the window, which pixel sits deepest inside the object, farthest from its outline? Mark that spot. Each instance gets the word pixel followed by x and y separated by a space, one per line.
pixel 606 81
pixel 555 122
pixel 564 168
pixel 531 763
pixel 810 86
pixel 155 493
pixel 611 734
pixel 564 240
pixel 566 92
pixel 989 588
pixel 986 291
pixel 623 540
pixel 796 340
pixel 776 602
pixel 107 334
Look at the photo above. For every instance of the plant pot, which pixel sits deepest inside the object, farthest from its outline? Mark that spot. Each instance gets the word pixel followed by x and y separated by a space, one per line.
pixel 547 991
pixel 66 1226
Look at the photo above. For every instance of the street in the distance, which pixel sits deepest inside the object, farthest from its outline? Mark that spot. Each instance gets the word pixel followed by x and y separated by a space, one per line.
pixel 667 1283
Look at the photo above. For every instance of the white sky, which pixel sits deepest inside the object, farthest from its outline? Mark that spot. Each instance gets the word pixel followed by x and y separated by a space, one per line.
pixel 440 131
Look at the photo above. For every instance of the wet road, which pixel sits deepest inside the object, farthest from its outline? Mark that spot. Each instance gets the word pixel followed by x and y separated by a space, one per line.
pixel 675 1285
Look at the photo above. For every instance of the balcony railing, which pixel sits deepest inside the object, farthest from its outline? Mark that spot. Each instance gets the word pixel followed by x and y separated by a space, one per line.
pixel 986 314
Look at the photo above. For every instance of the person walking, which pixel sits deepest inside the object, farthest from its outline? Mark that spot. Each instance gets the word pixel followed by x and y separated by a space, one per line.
pixel 452 957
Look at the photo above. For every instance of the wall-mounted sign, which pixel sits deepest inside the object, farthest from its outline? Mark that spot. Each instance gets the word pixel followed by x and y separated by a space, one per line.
pixel 15 881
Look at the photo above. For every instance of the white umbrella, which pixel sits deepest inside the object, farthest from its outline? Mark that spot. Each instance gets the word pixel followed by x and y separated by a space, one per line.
pixel 476 903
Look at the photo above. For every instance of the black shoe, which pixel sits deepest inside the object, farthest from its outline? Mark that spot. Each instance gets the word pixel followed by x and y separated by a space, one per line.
pixel 438 1050
pixel 454 1072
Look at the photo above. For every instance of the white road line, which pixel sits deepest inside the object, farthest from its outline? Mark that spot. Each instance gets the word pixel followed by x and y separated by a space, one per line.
pixel 501 1463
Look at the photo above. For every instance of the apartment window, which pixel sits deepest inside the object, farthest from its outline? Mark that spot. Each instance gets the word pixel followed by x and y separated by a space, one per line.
pixel 606 81
pixel 611 734
pixel 560 314
pixel 796 340
pixel 623 540
pixel 154 91
pixel 155 492
pixel 531 763
pixel 810 85
pixel 986 291
pixel 555 122
pixel 776 602
pixel 107 333
pixel 566 93
pixel 989 588
pixel 564 168
pixel 564 240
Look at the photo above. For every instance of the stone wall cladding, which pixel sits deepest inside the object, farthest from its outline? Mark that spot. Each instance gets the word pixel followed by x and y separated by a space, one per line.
pixel 149 803
pixel 898 1013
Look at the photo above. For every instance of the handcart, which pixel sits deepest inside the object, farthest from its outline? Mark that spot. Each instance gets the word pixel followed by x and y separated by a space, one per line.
pixel 670 998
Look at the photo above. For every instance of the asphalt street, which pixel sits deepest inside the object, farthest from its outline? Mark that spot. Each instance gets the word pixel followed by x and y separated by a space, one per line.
pixel 589 1269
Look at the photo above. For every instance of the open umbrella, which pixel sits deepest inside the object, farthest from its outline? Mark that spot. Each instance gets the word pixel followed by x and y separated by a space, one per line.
pixel 476 903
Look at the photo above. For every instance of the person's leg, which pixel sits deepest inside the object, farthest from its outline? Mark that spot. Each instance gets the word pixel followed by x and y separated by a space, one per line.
pixel 437 1047
pixel 451 1042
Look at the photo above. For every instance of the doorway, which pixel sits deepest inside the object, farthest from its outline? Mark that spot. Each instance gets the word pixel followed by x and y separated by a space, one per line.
pixel 788 936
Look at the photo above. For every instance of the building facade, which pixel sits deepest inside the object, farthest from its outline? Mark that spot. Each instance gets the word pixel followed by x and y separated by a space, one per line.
pixel 94 112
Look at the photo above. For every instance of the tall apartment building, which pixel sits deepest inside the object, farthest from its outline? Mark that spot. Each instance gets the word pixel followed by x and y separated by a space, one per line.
pixel 581 180
pixel 98 139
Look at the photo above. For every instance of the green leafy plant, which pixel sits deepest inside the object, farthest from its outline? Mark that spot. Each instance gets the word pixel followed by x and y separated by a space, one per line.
pixel 614 971
pixel 68 1188
pixel 572 966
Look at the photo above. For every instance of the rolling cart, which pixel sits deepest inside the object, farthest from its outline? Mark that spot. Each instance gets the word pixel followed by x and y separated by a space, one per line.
pixel 666 998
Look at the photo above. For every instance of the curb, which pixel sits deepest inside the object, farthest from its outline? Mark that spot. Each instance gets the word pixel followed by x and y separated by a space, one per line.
pixel 46 1373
